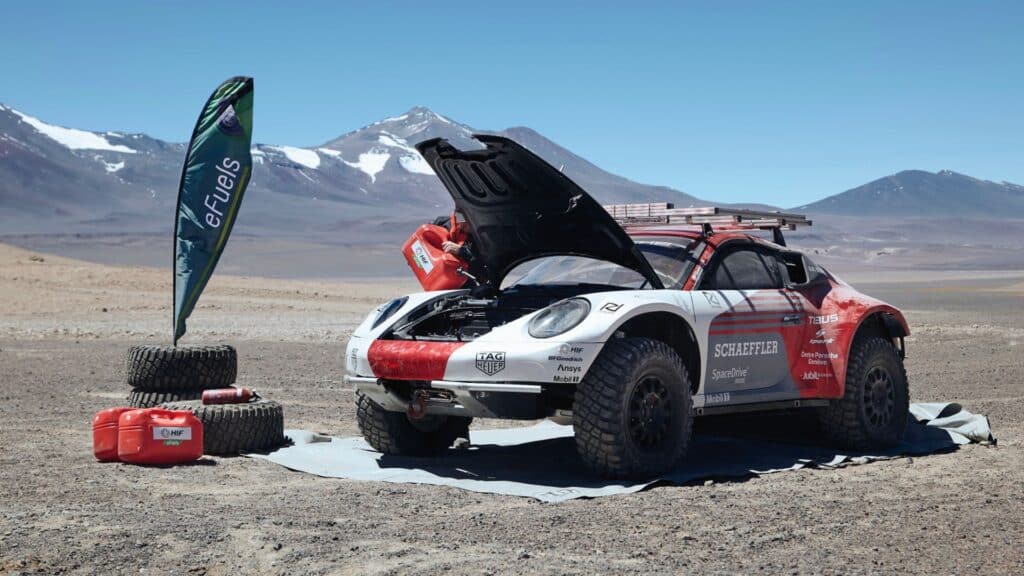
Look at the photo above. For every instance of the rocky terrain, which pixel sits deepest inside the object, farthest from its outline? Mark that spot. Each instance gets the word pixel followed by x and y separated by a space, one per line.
pixel 65 325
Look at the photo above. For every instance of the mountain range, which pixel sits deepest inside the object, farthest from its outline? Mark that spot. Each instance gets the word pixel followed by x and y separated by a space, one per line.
pixel 371 187
pixel 55 179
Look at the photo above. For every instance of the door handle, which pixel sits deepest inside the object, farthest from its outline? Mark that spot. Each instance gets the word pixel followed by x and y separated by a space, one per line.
pixel 791 318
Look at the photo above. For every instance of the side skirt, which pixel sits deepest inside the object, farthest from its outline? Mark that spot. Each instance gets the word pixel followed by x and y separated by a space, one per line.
pixel 759 407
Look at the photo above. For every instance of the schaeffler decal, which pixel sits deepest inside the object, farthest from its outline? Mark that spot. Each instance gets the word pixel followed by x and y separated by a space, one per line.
pixel 827 319
pixel 490 363
pixel 753 348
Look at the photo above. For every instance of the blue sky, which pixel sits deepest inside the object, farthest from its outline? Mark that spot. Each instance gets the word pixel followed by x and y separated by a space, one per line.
pixel 778 102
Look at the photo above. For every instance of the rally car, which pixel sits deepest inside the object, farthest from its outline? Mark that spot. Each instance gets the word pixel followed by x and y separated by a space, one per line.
pixel 629 321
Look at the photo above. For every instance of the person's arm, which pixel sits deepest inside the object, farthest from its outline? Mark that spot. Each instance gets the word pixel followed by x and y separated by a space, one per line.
pixel 462 251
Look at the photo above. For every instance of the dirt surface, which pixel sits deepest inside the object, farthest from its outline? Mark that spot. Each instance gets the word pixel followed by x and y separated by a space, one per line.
pixel 65 325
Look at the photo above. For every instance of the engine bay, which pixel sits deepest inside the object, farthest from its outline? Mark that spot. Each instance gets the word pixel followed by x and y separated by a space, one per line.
pixel 462 317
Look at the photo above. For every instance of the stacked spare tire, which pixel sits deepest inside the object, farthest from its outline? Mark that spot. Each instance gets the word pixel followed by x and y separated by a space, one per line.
pixel 159 374
pixel 175 378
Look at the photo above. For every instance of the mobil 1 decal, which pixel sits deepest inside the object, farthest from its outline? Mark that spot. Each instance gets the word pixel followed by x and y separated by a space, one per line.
pixel 746 363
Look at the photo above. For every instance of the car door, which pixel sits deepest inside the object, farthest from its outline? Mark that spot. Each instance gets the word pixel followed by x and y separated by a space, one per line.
pixel 806 283
pixel 756 326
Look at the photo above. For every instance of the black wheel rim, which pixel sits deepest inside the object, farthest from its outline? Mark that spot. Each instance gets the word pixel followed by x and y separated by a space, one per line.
pixel 650 413
pixel 879 397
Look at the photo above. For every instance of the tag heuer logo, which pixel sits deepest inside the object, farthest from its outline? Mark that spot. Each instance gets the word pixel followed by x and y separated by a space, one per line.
pixel 490 363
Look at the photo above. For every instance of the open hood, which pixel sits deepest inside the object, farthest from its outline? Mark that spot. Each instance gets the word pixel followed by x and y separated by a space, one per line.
pixel 519 207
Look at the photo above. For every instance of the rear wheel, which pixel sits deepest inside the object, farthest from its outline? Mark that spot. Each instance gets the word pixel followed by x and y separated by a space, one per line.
pixel 394 433
pixel 632 413
pixel 873 410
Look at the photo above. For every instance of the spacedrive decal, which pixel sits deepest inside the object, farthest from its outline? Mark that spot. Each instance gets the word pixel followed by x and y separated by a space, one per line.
pixel 736 375
pixel 755 348
pixel 490 363
pixel 611 307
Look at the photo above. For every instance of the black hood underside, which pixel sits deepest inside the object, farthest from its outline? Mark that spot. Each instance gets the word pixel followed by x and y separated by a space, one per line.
pixel 519 208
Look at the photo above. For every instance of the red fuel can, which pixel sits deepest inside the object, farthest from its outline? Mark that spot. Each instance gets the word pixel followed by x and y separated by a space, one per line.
pixel 159 436
pixel 233 395
pixel 104 433
pixel 434 268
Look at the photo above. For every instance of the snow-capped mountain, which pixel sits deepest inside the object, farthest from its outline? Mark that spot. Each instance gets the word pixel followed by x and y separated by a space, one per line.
pixel 361 186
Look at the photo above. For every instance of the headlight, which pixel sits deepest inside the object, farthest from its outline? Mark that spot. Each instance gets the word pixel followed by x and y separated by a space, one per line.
pixel 559 317
pixel 388 310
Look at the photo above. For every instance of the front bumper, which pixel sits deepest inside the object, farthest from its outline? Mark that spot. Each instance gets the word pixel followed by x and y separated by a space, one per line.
pixel 450 398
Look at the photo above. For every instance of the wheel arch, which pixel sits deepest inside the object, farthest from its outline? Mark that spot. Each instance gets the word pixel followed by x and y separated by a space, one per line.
pixel 884 321
pixel 671 329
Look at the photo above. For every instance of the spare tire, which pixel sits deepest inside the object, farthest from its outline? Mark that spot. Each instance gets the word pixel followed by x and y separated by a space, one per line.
pixel 166 369
pixel 146 399
pixel 232 428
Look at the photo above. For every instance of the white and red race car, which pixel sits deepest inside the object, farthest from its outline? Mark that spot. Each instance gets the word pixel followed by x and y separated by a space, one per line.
pixel 630 331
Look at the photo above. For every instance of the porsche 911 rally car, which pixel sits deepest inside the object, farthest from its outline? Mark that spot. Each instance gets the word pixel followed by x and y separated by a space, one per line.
pixel 630 321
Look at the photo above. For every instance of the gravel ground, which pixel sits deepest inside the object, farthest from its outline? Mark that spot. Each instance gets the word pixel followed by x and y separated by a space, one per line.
pixel 61 512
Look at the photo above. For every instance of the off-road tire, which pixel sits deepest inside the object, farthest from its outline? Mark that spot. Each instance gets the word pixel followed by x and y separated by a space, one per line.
pixel 604 409
pixel 393 433
pixel 166 369
pixel 146 399
pixel 848 421
pixel 229 429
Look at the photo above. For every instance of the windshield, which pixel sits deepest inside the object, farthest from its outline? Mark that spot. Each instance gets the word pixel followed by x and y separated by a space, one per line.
pixel 671 257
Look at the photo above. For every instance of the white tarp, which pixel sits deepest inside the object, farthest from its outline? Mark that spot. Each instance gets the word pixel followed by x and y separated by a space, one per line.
pixel 540 461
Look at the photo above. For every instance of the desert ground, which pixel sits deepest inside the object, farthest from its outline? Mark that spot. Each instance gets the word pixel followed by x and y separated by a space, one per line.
pixel 65 326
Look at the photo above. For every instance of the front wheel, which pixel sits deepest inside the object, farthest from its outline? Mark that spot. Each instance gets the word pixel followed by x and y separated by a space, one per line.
pixel 394 433
pixel 873 410
pixel 632 413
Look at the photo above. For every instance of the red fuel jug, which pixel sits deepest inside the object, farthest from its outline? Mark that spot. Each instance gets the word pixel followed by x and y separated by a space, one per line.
pixel 434 268
pixel 159 436
pixel 104 433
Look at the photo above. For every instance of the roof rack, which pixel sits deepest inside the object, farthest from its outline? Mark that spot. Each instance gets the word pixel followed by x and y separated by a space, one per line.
pixel 708 219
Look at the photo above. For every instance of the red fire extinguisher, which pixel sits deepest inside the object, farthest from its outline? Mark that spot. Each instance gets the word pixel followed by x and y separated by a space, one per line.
pixel 233 395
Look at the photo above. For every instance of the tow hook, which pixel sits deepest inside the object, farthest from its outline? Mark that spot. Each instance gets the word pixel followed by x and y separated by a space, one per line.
pixel 418 404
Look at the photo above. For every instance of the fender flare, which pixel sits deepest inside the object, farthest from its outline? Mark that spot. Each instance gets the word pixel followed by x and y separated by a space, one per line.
pixel 892 322
pixel 693 360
